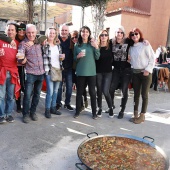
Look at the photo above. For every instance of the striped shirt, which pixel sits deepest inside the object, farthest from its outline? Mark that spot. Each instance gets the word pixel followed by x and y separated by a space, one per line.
pixel 33 54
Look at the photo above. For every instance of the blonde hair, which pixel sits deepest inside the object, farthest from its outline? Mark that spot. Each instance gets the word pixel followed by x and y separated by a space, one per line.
pixel 56 40
pixel 99 40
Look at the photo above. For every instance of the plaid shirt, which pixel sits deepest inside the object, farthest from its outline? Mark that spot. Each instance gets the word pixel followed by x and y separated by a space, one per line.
pixel 34 64
pixel 47 57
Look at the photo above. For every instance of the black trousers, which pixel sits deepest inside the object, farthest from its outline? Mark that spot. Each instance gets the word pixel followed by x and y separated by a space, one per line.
pixel 141 85
pixel 21 71
pixel 123 77
pixel 81 84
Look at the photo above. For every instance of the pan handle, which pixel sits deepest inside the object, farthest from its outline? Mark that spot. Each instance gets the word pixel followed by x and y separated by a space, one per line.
pixel 149 138
pixel 92 133
pixel 78 164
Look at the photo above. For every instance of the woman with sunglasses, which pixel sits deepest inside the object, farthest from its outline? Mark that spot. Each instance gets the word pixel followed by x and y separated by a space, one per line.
pixel 51 51
pixel 74 39
pixel 142 59
pixel 121 73
pixel 86 51
pixel 104 72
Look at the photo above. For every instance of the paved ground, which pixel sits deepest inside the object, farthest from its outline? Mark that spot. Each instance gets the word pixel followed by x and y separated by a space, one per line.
pixel 51 144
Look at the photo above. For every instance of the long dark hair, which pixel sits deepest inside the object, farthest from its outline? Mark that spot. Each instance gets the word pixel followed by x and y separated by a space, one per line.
pixel 80 40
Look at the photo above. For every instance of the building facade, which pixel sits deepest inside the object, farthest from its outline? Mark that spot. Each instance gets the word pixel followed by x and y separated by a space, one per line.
pixel 151 16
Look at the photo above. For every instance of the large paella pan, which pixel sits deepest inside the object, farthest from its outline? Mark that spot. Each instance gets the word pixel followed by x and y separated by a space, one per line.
pixel 121 152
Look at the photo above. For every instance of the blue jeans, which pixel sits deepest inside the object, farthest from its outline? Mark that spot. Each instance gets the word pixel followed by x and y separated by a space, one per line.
pixel 103 82
pixel 6 97
pixel 67 78
pixel 52 90
pixel 33 86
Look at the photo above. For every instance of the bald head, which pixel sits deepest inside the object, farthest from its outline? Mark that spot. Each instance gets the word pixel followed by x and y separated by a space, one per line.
pixel 64 31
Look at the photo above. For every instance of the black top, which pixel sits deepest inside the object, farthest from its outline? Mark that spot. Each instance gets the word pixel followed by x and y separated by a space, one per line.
pixel 120 55
pixel 65 45
pixel 104 64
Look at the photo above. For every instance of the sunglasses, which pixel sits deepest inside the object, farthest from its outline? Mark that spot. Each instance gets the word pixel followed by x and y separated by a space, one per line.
pixel 19 29
pixel 119 32
pixel 133 34
pixel 52 29
pixel 74 37
pixel 102 35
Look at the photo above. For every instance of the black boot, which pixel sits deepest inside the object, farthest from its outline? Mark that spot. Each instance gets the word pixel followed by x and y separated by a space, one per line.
pixel 111 114
pixel 99 112
pixel 18 102
pixel 121 113
pixel 94 116
pixel 120 116
pixel 47 113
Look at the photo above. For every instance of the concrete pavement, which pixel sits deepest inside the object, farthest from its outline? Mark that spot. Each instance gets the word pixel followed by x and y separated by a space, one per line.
pixel 51 144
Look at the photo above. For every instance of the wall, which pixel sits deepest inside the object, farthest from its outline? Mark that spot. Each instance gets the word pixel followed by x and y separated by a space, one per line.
pixel 131 20
pixel 144 5
pixel 154 27
pixel 159 22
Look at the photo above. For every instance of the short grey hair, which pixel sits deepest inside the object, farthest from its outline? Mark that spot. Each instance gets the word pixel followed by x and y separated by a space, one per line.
pixel 30 25
pixel 61 26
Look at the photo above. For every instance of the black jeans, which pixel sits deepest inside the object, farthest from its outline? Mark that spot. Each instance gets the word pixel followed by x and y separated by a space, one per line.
pixel 75 81
pixel 103 81
pixel 21 72
pixel 123 77
pixel 81 84
pixel 141 84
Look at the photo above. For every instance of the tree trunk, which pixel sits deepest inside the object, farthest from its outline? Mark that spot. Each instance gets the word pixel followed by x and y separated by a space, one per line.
pixel 30 5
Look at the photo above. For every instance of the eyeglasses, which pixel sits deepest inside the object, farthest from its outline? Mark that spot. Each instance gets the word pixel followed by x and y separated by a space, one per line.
pixel 102 35
pixel 119 32
pixel 133 34
pixel 19 29
pixel 74 37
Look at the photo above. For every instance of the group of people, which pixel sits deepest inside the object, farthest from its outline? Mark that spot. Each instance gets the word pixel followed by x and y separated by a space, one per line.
pixel 103 65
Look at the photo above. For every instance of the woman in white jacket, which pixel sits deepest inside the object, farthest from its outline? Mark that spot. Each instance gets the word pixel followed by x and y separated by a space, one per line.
pixel 142 59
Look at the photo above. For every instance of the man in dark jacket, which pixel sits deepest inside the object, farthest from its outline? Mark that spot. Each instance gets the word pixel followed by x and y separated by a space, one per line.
pixel 67 65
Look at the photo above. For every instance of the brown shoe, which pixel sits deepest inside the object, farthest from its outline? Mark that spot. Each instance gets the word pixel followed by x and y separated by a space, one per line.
pixel 134 117
pixel 140 119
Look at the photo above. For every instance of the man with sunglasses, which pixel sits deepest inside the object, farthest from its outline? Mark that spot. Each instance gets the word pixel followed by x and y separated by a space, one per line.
pixel 67 65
